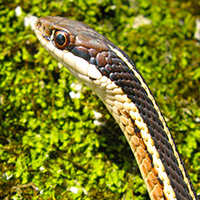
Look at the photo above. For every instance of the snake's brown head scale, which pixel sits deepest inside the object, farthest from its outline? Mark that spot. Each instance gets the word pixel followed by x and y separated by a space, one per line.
pixel 67 33
pixel 86 53
pixel 75 44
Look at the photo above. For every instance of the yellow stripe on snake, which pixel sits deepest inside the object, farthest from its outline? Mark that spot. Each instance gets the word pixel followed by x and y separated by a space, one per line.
pixel 108 71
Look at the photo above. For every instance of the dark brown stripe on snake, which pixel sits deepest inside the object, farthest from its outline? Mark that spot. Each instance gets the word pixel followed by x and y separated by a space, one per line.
pixel 125 78
pixel 111 66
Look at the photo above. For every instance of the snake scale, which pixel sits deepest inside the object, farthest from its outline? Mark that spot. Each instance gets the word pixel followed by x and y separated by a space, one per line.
pixel 108 71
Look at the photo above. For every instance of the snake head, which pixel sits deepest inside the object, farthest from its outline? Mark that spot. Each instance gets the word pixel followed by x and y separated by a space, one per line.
pixel 77 46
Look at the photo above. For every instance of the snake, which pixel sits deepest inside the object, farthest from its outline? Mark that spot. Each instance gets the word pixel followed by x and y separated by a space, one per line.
pixel 112 75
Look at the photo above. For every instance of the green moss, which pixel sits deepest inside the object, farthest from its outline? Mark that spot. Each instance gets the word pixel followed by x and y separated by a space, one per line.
pixel 49 142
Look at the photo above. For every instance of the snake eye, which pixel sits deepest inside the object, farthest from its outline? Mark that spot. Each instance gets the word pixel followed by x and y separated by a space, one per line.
pixel 61 39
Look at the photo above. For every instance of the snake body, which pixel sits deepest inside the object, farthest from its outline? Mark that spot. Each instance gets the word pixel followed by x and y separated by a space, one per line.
pixel 108 71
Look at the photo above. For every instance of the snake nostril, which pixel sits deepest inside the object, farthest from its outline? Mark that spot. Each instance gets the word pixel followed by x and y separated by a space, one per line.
pixel 39 24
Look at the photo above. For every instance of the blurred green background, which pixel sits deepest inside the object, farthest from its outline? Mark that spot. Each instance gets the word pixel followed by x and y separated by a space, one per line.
pixel 57 140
